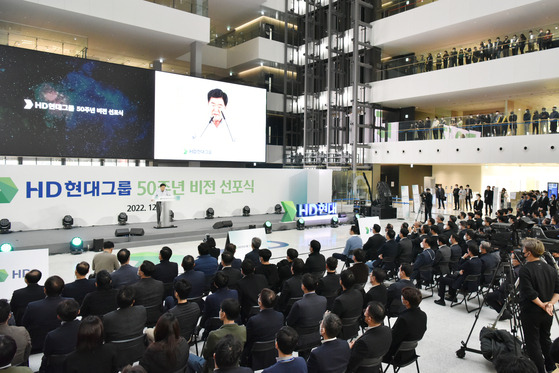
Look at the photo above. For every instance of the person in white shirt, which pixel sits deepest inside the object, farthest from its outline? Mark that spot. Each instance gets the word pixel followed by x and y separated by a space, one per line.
pixel 161 192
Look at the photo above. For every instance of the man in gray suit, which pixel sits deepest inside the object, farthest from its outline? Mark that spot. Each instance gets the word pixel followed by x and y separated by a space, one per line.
pixel 149 292
pixel 18 333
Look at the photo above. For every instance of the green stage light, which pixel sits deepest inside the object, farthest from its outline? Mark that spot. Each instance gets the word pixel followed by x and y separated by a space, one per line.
pixel 268 226
pixel 76 245
pixel 334 222
pixel 6 247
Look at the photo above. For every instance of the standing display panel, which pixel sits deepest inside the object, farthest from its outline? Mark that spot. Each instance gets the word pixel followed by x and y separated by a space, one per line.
pixel 58 106
pixel 207 120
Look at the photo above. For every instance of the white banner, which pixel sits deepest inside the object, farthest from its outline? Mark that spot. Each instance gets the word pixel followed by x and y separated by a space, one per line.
pixel 366 227
pixel 405 202
pixel 15 264
pixel 416 198
pixel 243 240
pixel 453 132
pixel 38 197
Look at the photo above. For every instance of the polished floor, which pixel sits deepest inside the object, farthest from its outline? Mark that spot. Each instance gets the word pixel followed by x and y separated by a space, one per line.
pixel 447 327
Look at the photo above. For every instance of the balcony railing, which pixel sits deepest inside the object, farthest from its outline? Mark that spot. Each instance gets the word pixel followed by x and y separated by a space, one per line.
pixel 483 125
pixel 199 7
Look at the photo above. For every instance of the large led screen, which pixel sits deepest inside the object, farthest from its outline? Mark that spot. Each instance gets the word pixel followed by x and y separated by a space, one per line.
pixel 58 106
pixel 206 120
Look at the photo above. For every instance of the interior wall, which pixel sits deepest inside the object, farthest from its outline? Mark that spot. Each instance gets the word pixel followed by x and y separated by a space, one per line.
pixel 413 176
pixel 517 178
pixel 449 175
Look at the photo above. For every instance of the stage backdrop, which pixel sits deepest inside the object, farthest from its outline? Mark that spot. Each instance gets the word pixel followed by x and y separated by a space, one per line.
pixel 38 197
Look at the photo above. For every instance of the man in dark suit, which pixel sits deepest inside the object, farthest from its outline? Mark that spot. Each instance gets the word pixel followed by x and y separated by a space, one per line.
pixel 231 248
pixel 227 354
pixel 305 315
pixel 18 333
pixel 22 297
pixel 359 268
pixel 456 197
pixel 249 287
pixel 126 323
pixel 82 286
pixel 284 265
pixel 62 340
pixel 254 254
pixel 428 204
pixel 262 327
pixel 40 316
pixel 126 274
pixel 286 342
pixel 292 287
pixel 233 274
pixel 389 250
pixel 411 324
pixel 316 262
pixel 214 251
pixel 424 260
pixel 196 278
pixel 374 243
pixel 206 263
pixel 374 343
pixel 269 270
pixel 149 292
pixel 101 301
pixel 405 247
pixel 394 292
pixel 329 286
pixel 166 271
pixel 377 292
pixel 333 355
pixel 488 198
pixel 470 265
pixel 478 204
pixel 186 312
pixel 213 301
pixel 348 305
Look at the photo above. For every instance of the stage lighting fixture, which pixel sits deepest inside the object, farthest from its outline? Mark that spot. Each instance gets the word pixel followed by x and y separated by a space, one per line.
pixel 76 246
pixel 277 209
pixel 246 211
pixel 67 222
pixel 210 213
pixel 5 226
pixel 6 247
pixel 268 226
pixel 300 224
pixel 122 218
pixel 334 222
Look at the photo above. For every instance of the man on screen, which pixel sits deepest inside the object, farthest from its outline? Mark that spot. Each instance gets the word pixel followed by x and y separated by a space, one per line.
pixel 217 127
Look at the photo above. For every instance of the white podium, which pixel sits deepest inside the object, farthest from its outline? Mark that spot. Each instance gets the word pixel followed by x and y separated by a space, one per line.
pixel 164 203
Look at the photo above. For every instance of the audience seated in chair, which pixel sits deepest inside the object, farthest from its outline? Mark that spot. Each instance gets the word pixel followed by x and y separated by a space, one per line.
pixel 8 350
pixel 348 305
pixel 126 274
pixel 62 340
pixel 286 341
pixel 329 285
pixel 332 356
pixel 227 353
pixel 103 300
pixel 378 291
pixel 262 327
pixel 373 344
pixel 165 270
pixel 149 292
pixel 30 293
pixel 82 286
pixel 18 333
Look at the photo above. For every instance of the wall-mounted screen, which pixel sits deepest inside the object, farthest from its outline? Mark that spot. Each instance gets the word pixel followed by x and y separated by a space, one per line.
pixel 57 106
pixel 207 120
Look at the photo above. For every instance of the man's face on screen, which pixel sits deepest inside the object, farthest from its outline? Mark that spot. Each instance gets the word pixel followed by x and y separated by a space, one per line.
pixel 217 106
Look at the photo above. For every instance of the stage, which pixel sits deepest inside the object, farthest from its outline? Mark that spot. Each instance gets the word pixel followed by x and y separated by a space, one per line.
pixel 58 240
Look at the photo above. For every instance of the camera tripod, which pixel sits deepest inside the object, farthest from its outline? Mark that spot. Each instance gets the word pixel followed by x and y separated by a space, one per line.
pixel 505 267
pixel 421 211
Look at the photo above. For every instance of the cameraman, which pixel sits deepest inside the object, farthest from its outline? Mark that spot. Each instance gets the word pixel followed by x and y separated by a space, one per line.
pixel 539 291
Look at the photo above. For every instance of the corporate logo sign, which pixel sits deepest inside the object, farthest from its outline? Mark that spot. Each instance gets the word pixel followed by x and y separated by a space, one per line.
pixel 8 190
pixel 3 275
pixel 316 209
